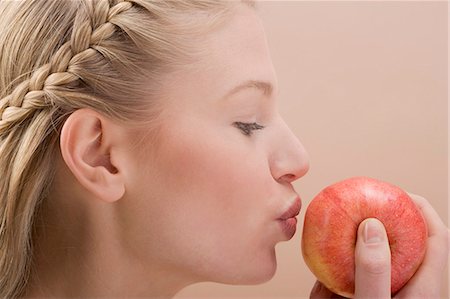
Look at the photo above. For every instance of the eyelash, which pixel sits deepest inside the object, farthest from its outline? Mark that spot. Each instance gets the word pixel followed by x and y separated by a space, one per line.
pixel 248 128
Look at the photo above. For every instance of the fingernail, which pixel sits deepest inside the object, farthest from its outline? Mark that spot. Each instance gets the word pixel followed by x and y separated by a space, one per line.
pixel 373 231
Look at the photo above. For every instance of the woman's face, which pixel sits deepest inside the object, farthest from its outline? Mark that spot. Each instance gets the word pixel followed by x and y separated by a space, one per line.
pixel 206 195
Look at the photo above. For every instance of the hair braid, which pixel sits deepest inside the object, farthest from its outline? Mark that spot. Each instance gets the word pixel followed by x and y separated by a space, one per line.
pixel 26 117
pixel 91 27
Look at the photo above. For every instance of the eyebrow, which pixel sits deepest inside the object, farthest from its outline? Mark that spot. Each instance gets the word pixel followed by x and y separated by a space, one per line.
pixel 265 87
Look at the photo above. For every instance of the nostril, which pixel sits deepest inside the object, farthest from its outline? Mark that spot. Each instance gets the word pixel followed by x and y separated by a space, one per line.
pixel 289 170
pixel 288 177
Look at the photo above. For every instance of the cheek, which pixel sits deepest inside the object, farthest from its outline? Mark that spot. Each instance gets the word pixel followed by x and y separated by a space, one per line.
pixel 217 174
pixel 224 206
pixel 224 184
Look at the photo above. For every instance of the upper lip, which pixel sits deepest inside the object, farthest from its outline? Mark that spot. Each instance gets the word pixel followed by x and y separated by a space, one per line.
pixel 293 210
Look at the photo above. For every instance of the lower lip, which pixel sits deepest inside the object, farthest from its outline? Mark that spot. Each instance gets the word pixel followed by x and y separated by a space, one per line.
pixel 289 226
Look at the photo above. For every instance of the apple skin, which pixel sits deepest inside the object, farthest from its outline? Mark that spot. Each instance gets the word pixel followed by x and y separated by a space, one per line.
pixel 331 224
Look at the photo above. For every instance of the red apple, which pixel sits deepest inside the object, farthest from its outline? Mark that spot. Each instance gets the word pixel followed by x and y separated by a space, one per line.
pixel 331 223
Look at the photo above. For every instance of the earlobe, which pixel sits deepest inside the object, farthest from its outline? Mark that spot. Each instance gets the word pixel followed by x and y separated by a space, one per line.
pixel 87 141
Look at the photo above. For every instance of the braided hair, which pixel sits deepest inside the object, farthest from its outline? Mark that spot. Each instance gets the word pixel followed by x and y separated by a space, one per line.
pixel 57 56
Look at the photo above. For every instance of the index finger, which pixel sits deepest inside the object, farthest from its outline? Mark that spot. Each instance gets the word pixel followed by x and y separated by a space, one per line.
pixel 435 225
pixel 428 279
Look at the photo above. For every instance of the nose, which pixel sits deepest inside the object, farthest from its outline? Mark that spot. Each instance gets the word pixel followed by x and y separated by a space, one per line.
pixel 289 160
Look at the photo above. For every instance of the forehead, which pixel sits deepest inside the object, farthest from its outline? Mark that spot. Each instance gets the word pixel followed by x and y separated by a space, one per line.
pixel 239 50
pixel 235 53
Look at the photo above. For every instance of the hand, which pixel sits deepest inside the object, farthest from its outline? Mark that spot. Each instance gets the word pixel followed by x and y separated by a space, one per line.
pixel 427 281
pixel 372 261
pixel 372 264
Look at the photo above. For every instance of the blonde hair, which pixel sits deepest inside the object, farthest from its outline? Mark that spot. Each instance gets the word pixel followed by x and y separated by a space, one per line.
pixel 59 56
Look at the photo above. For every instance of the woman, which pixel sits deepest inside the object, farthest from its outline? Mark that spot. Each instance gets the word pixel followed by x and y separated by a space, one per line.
pixel 142 151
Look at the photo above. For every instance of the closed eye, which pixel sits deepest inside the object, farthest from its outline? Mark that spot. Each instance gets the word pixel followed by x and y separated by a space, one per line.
pixel 248 128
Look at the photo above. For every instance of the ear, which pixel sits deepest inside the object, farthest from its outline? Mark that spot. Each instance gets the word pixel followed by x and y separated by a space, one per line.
pixel 88 144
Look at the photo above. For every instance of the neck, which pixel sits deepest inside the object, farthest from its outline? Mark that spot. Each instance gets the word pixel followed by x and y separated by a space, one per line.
pixel 79 255
pixel 99 276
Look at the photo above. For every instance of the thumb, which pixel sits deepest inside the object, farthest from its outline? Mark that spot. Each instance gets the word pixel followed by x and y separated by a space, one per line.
pixel 372 261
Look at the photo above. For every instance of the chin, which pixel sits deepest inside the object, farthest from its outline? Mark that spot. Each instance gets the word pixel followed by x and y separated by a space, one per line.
pixel 263 277
pixel 260 271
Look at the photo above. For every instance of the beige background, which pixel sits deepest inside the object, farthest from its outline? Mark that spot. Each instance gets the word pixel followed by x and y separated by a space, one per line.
pixel 364 86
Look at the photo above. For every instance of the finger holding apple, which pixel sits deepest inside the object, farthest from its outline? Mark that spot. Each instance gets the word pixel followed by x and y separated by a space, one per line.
pixel 331 227
pixel 372 261
pixel 427 281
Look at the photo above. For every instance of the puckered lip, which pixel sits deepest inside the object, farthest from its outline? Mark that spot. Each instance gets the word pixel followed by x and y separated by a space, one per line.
pixel 293 210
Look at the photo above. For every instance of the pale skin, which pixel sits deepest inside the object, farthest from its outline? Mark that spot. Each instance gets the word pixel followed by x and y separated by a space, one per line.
pixel 199 201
